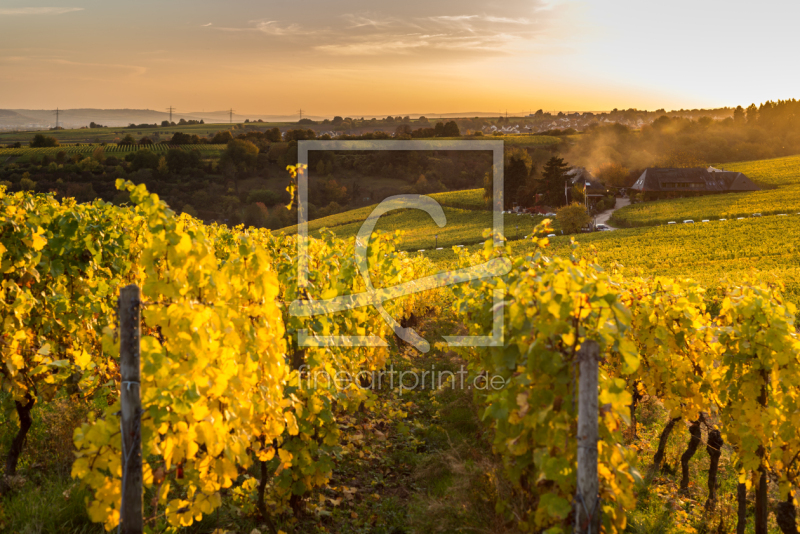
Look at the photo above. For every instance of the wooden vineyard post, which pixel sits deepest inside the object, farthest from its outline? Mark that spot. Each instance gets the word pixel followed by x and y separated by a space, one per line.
pixel 587 502
pixel 130 400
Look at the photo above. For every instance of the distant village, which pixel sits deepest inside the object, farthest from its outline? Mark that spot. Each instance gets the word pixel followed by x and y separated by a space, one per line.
pixel 531 123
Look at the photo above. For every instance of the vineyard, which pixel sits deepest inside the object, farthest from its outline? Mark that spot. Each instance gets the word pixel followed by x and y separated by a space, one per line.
pixel 231 417
pixel 109 148
pixel 419 232
pixel 783 174
pixel 464 200
pixel 707 252
pixel 529 140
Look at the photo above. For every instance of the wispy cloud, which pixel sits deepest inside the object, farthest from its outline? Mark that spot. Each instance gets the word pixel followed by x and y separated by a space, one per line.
pixel 424 34
pixel 206 25
pixel 361 21
pixel 272 27
pixel 38 10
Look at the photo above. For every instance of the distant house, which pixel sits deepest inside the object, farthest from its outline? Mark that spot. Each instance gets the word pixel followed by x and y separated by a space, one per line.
pixel 658 183
pixel 584 180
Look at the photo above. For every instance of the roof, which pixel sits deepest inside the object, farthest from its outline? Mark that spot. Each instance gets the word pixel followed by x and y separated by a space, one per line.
pixel 697 179
pixel 579 175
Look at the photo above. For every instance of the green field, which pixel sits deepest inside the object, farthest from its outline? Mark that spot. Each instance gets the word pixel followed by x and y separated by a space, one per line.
pixel 464 226
pixel 25 153
pixel 528 140
pixel 464 200
pixel 782 175
pixel 91 135
pixel 467 199
pixel 706 252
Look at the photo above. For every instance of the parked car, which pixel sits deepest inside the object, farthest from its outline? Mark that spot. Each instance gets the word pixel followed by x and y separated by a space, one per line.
pixel 688 221
pixel 602 227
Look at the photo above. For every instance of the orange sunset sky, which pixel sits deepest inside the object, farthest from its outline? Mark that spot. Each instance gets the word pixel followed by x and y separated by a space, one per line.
pixel 376 58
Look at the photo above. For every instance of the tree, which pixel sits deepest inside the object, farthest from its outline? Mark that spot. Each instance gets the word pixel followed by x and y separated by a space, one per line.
pixel 738 115
pixel 267 197
pixel 333 191
pixel 188 209
pixel 127 140
pixel 451 130
pixel 99 154
pixel 273 135
pixel 164 124
pixel 299 135
pixel 553 183
pixel 222 137
pixel 517 169
pixel 752 114
pixel 572 218
pixel 438 130
pixel 242 154
pixel 180 138
pixel 403 131
pixel 178 159
pixel 144 159
pixel 43 141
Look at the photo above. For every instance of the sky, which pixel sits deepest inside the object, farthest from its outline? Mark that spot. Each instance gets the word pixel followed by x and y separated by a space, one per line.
pixel 357 58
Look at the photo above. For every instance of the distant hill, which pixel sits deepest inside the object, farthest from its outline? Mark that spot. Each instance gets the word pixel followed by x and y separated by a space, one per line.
pixel 76 118
pixel 14 119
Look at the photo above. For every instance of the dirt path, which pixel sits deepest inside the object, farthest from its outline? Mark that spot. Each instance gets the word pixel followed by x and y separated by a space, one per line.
pixel 606 215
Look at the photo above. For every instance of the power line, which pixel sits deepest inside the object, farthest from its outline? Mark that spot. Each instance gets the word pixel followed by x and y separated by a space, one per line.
pixel 56 114
pixel 231 114
pixel 300 111
pixel 171 109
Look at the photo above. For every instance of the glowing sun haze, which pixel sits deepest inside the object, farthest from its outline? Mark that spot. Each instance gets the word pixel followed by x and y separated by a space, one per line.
pixel 376 58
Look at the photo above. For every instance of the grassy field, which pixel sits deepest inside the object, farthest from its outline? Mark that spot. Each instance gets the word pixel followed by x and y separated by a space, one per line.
pixel 90 135
pixel 464 226
pixel 782 175
pixel 469 199
pixel 706 252
pixel 527 140
pixel 109 149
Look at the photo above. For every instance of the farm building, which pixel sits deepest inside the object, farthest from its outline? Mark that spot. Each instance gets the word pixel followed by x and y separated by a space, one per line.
pixel 583 179
pixel 659 183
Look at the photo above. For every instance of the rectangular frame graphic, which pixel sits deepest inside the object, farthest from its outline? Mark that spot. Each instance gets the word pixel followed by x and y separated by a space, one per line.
pixel 495 146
